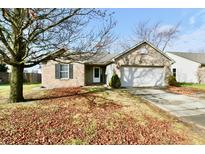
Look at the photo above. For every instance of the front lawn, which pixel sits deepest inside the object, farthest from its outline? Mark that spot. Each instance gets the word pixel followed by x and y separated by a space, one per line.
pixel 193 85
pixel 90 116
pixel 5 88
pixel 191 89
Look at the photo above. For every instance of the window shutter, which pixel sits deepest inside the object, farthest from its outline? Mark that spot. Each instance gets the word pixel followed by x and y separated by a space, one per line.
pixel 70 71
pixel 57 71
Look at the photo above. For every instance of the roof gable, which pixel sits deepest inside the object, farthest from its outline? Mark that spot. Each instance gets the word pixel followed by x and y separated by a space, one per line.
pixel 139 44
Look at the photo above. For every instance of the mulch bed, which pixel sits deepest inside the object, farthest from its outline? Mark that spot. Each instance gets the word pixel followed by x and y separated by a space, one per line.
pixel 71 116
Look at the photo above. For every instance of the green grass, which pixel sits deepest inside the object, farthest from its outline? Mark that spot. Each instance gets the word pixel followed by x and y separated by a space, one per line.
pixel 193 85
pixel 5 88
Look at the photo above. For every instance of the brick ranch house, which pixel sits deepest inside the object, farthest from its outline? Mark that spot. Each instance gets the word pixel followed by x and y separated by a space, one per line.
pixel 143 65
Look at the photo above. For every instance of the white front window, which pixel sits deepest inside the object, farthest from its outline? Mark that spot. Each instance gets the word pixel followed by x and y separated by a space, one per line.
pixel 64 71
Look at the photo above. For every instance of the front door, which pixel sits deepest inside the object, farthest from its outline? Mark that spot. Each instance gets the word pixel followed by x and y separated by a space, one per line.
pixel 96 74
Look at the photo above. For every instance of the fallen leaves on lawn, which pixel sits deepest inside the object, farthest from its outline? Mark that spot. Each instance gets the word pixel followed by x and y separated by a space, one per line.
pixel 72 116
pixel 184 90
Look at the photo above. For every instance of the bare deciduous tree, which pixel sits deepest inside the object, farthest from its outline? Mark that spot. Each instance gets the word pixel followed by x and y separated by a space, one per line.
pixel 31 36
pixel 155 33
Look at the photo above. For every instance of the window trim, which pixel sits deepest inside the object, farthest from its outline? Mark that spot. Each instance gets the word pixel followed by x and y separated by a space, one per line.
pixel 60 71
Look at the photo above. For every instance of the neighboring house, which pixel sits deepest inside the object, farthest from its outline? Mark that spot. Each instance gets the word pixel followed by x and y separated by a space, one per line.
pixel 141 66
pixel 188 67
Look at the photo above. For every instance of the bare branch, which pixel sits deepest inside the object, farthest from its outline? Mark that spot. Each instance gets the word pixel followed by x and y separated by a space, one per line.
pixel 31 36
pixel 55 24
pixel 51 56
pixel 4 41
pixel 157 34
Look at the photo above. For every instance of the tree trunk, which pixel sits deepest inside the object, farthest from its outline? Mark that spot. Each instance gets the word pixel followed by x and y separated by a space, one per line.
pixel 16 84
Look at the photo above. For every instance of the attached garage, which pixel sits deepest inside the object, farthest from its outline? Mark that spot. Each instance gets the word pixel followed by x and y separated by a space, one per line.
pixel 141 66
pixel 142 76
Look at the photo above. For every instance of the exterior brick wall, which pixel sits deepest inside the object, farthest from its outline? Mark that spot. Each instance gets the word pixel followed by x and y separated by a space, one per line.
pixel 49 80
pixel 132 58
pixel 152 58
pixel 201 74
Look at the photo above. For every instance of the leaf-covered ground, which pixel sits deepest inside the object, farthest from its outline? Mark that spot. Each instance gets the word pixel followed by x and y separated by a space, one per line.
pixel 90 116
pixel 190 91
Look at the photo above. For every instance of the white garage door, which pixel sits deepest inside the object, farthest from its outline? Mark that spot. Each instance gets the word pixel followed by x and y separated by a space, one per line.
pixel 142 76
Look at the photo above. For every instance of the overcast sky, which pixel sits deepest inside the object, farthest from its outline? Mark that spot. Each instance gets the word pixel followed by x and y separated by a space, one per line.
pixel 192 28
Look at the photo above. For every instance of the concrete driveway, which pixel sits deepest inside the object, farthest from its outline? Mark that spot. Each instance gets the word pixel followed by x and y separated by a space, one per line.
pixel 189 108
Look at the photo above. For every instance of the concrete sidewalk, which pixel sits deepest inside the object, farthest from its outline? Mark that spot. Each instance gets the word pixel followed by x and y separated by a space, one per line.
pixel 190 108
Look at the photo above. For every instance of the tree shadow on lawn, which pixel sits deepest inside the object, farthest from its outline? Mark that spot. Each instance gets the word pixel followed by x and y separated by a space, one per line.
pixel 64 93
pixel 69 94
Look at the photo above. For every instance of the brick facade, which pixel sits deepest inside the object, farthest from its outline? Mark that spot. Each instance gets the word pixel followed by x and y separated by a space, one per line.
pixel 49 80
pixel 132 58
pixel 136 58
pixel 151 58
pixel 201 74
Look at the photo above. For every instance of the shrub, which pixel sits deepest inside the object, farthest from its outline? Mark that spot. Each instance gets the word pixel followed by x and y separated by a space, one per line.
pixel 115 81
pixel 172 81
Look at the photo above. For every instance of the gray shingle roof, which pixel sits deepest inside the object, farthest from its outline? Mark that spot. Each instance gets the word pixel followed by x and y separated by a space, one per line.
pixel 101 58
pixel 196 57
pixel 105 58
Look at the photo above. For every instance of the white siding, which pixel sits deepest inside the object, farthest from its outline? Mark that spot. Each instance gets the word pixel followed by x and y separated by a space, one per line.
pixel 186 70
